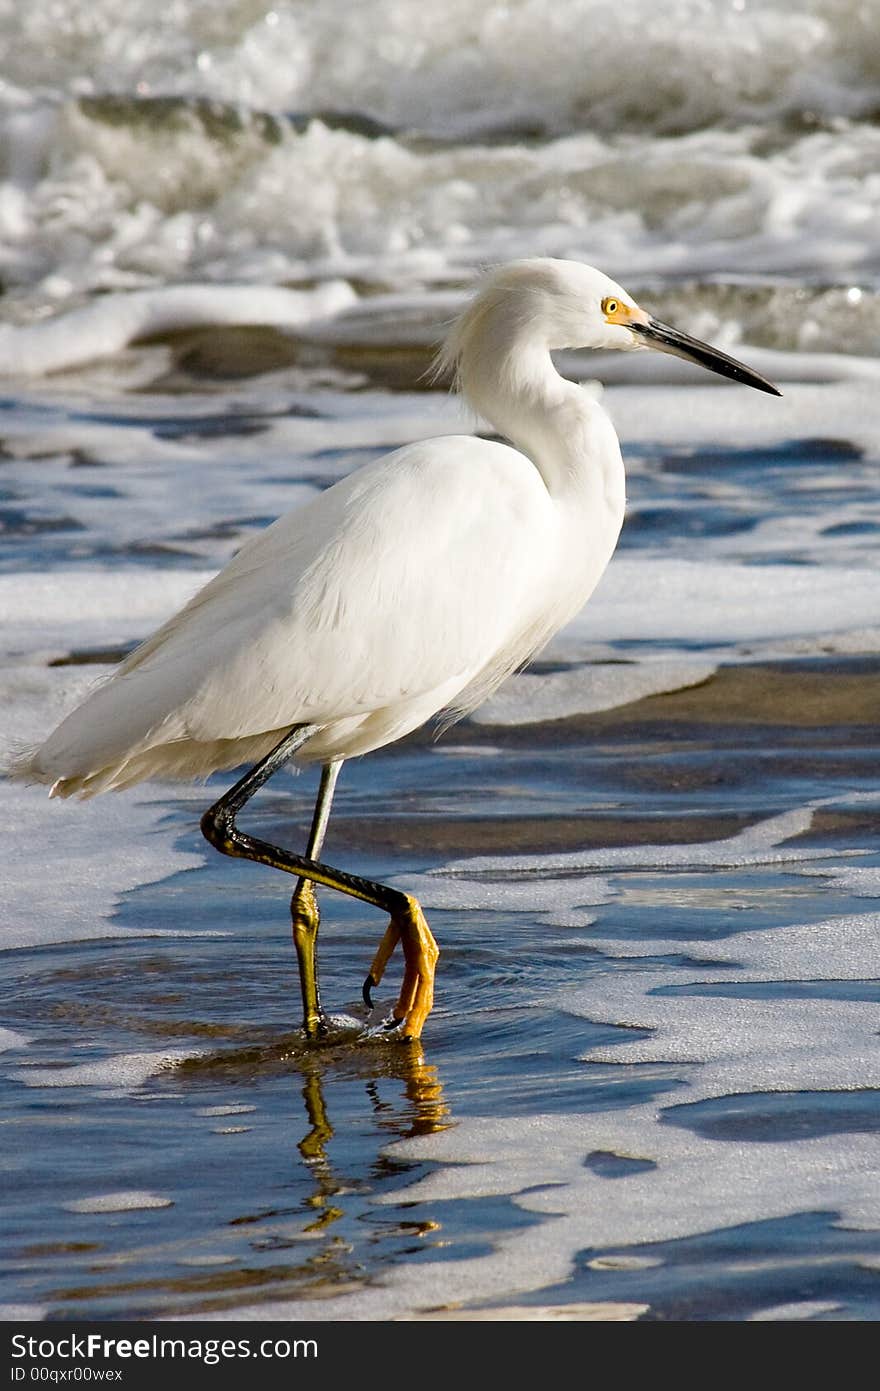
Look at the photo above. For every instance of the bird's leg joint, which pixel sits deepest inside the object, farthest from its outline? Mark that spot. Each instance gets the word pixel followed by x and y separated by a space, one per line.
pixel 219 828
pixel 304 908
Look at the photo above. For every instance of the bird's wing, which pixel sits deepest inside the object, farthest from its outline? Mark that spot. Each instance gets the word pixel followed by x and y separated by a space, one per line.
pixel 413 572
pixel 417 570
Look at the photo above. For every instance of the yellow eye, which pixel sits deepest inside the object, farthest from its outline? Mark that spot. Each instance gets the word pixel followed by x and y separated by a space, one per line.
pixel 610 305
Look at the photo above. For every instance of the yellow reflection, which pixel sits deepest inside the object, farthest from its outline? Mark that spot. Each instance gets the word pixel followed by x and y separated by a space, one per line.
pixel 425 1111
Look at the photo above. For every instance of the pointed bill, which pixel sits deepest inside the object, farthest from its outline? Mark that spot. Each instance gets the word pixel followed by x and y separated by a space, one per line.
pixel 669 340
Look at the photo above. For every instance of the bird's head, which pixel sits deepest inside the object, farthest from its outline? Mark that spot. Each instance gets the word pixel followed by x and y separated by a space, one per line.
pixel 556 304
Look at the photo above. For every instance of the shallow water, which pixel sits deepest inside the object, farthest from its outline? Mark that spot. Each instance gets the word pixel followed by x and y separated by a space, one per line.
pixel 250 1168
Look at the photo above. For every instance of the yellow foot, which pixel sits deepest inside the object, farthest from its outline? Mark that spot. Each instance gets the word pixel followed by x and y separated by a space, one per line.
pixel 420 953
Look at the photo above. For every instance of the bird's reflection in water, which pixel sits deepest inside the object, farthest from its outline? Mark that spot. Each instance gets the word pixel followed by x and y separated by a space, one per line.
pixel 259 1249
pixel 425 1112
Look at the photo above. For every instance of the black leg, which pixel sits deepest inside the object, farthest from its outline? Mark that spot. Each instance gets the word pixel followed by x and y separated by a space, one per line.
pixel 407 921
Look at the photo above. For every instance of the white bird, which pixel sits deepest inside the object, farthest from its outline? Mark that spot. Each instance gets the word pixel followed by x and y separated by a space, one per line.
pixel 413 586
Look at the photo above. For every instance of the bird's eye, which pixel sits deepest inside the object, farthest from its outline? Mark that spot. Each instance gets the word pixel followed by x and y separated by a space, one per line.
pixel 610 305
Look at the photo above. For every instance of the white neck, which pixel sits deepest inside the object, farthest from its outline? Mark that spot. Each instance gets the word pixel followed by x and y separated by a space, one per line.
pixel 556 424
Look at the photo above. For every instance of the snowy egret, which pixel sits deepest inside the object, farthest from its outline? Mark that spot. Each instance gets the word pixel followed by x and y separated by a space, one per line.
pixel 413 586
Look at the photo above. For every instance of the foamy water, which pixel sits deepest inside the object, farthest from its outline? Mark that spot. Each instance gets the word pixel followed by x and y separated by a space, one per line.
pixel 685 1178
pixel 707 143
pixel 670 615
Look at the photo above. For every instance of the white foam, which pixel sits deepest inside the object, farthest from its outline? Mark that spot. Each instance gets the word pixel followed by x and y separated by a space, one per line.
pixel 604 1311
pixel 98 853
pixel 61 610
pixel 698 1186
pixel 817 1045
pixel 841 948
pixel 656 599
pixel 23 1313
pixel 862 881
pixel 702 413
pixel 526 699
pixel 113 321
pixel 122 1073
pixel 560 902
pixel 238 1109
pixel 799 1310
pixel 624 1262
pixel 683 162
pixel 465 66
pixel 206 1260
pixel 760 844
pixel 780 367
pixel 101 851
pixel 133 1201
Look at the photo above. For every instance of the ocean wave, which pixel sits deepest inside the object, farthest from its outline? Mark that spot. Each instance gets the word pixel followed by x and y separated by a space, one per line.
pixel 391 340
pixel 111 322
pixel 702 140
pixel 466 67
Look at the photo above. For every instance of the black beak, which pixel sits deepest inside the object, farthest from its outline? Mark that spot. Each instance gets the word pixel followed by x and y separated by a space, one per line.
pixel 669 340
